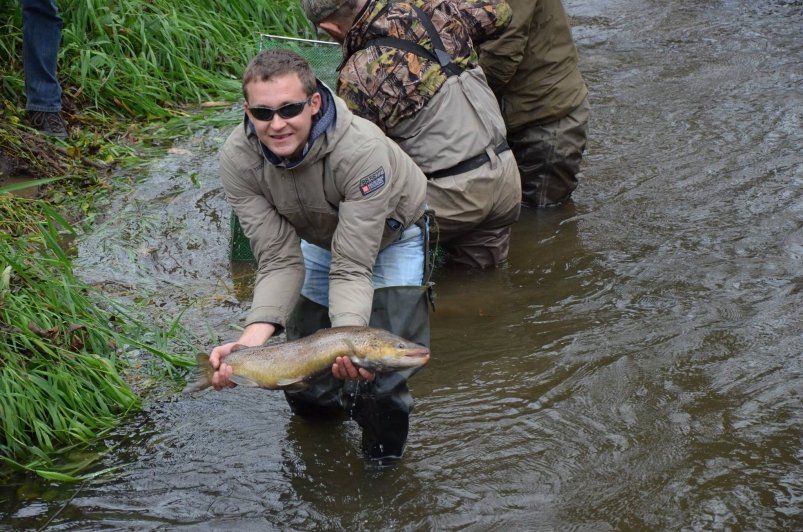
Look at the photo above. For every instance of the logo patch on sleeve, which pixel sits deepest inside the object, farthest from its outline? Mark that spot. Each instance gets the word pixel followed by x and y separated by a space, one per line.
pixel 373 181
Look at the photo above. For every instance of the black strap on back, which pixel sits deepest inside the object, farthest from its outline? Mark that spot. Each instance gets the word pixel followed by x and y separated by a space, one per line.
pixel 438 54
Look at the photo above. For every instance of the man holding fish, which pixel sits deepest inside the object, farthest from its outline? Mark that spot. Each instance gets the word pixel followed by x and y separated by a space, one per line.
pixel 334 213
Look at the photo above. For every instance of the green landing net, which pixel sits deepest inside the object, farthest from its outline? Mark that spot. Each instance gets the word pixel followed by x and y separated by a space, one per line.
pixel 324 57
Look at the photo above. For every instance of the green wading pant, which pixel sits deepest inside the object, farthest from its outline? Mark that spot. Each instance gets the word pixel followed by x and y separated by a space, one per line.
pixel 381 407
pixel 549 157
pixel 480 249
pixel 475 211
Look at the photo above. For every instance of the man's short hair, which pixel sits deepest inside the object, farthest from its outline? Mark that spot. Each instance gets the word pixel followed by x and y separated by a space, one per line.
pixel 318 10
pixel 276 62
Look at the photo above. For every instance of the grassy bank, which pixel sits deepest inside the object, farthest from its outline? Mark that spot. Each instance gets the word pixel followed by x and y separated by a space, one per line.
pixel 134 75
pixel 137 59
pixel 125 64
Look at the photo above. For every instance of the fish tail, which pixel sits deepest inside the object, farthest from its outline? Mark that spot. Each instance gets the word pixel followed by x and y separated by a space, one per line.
pixel 203 375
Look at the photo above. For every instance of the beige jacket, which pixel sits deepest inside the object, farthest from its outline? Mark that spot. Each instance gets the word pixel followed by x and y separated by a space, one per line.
pixel 354 193
pixel 532 68
pixel 459 122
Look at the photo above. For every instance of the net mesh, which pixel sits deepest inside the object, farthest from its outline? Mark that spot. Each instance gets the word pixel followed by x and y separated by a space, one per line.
pixel 323 56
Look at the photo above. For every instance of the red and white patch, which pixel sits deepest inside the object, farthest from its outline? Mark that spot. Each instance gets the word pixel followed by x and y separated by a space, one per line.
pixel 373 181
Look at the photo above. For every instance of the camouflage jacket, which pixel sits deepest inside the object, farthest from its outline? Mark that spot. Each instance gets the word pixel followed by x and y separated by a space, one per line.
pixel 387 85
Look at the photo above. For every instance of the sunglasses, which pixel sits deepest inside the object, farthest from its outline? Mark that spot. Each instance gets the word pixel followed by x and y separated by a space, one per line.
pixel 288 110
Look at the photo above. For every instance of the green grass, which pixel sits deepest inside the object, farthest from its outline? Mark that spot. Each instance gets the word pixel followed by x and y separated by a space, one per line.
pixel 63 345
pixel 148 59
pixel 134 75
pixel 59 379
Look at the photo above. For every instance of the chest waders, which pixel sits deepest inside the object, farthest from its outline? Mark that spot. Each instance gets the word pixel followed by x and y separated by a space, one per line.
pixel 381 407
pixel 475 214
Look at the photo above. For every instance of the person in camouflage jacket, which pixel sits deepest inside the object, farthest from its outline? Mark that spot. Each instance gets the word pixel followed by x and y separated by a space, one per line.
pixel 434 101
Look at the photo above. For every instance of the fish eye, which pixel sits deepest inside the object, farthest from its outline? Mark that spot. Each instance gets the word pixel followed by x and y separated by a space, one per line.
pixel 400 345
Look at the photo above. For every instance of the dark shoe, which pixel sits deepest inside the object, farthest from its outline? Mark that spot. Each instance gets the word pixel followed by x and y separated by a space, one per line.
pixel 50 123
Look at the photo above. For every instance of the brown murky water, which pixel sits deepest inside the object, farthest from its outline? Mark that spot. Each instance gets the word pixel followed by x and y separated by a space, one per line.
pixel 637 366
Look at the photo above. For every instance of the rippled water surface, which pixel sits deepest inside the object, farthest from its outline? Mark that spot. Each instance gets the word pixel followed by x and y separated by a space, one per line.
pixel 637 365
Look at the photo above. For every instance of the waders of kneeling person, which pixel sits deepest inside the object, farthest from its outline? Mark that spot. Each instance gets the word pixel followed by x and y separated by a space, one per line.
pixel 334 212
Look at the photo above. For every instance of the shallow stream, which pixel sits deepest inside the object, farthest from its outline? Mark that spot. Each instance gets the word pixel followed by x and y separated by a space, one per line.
pixel 637 366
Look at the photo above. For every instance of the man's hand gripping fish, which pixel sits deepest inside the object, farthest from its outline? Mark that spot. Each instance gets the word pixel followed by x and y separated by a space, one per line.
pixel 292 365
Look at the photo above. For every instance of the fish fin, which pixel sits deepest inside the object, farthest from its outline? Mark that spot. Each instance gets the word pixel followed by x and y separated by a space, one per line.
pixel 351 346
pixel 355 357
pixel 203 375
pixel 296 384
pixel 243 381
pixel 237 347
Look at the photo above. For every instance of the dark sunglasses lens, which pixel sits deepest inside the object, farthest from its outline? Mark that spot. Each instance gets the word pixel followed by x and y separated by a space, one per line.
pixel 286 111
pixel 262 113
pixel 291 109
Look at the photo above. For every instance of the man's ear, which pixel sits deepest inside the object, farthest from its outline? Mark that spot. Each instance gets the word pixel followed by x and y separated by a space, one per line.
pixel 315 102
pixel 334 29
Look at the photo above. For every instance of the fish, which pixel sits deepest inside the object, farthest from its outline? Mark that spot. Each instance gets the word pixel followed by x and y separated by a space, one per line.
pixel 292 365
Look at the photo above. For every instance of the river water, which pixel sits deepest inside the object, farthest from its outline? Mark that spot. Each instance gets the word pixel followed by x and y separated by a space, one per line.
pixel 636 367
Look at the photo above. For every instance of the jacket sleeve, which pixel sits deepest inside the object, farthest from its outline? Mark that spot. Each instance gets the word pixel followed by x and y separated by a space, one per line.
pixel 365 179
pixel 500 58
pixel 274 243
pixel 485 19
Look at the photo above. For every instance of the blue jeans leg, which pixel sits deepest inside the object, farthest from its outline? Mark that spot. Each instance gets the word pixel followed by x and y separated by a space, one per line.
pixel 41 38
pixel 399 264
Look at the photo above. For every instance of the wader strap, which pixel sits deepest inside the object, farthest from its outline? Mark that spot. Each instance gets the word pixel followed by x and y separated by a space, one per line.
pixel 468 164
pixel 438 54
pixel 443 57
pixel 427 223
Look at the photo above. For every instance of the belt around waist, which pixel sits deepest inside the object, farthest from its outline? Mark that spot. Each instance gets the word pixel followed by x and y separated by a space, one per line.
pixel 468 164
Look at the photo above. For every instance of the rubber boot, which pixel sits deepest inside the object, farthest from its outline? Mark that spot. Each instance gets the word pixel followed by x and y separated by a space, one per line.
pixel 402 310
pixel 382 409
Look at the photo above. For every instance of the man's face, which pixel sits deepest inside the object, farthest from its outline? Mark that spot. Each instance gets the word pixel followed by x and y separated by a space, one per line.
pixel 335 30
pixel 283 136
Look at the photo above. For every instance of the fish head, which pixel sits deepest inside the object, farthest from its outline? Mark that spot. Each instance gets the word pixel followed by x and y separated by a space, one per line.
pixel 385 352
